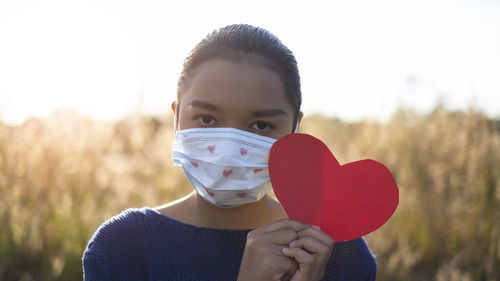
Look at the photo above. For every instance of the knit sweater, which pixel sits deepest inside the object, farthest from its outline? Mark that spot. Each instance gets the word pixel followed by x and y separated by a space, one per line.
pixel 142 244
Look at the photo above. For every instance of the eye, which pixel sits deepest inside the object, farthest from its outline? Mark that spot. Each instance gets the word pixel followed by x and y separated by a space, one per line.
pixel 206 120
pixel 261 126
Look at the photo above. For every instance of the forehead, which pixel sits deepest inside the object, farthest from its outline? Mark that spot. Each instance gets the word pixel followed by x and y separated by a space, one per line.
pixel 245 83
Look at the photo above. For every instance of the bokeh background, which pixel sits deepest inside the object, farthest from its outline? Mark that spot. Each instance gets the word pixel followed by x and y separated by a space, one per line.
pixel 86 132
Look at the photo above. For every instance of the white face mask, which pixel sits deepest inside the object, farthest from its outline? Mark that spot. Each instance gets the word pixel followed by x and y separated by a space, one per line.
pixel 226 166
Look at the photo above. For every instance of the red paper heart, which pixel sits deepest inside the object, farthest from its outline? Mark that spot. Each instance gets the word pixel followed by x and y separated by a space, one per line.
pixel 345 201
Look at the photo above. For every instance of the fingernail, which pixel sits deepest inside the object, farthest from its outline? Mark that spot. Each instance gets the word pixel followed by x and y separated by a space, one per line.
pixel 293 243
pixel 286 250
pixel 317 227
pixel 299 233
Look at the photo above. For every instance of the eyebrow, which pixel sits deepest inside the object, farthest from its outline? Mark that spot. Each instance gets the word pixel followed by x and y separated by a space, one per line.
pixel 258 113
pixel 202 104
pixel 268 112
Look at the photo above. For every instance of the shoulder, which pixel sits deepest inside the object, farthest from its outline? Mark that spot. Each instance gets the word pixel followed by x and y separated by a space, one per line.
pixel 117 245
pixel 122 235
pixel 351 260
pixel 127 225
pixel 356 249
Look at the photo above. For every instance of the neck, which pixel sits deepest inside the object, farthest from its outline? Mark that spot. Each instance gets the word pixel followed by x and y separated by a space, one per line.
pixel 247 216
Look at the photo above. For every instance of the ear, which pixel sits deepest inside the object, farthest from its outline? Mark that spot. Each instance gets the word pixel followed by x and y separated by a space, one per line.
pixel 174 106
pixel 299 119
pixel 174 110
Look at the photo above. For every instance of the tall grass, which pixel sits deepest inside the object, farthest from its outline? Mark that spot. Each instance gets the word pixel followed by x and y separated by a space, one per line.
pixel 61 177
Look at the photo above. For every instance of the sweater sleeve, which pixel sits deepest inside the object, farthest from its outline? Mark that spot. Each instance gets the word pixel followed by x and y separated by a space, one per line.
pixel 351 260
pixel 95 268
pixel 114 252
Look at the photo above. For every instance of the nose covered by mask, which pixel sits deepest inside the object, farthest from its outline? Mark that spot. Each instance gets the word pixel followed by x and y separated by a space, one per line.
pixel 226 166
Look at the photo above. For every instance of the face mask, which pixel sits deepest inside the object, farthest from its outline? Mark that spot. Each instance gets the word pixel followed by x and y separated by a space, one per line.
pixel 226 166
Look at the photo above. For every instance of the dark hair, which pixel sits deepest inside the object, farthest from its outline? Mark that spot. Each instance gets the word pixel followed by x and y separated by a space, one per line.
pixel 234 43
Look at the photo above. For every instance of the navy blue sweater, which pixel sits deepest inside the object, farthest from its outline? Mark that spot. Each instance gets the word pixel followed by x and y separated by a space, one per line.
pixel 142 244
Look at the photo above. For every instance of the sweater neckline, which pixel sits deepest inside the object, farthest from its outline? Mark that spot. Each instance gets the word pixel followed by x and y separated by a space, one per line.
pixel 191 227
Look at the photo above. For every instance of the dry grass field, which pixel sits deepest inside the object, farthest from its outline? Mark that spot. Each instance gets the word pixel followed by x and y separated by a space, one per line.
pixel 61 177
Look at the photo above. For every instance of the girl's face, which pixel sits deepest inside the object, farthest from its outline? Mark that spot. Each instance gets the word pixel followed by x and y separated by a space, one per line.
pixel 242 95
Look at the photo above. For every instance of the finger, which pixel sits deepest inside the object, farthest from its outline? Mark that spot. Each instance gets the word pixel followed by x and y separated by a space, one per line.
pixel 301 256
pixel 317 234
pixel 288 267
pixel 311 245
pixel 282 265
pixel 281 237
pixel 285 224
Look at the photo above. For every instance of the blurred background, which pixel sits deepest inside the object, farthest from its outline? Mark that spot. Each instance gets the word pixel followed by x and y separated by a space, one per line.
pixel 86 128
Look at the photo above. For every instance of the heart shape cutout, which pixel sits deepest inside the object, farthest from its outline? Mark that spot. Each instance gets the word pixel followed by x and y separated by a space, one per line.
pixel 345 201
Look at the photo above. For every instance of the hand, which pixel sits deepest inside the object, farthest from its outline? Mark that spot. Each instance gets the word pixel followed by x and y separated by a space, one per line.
pixel 311 250
pixel 263 258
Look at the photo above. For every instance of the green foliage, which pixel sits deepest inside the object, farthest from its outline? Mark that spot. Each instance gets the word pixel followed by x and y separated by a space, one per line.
pixel 60 178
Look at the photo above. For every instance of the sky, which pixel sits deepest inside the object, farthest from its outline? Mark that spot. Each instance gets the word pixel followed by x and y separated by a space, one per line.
pixel 357 59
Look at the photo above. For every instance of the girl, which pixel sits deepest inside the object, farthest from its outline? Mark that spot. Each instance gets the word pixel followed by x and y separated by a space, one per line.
pixel 238 92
